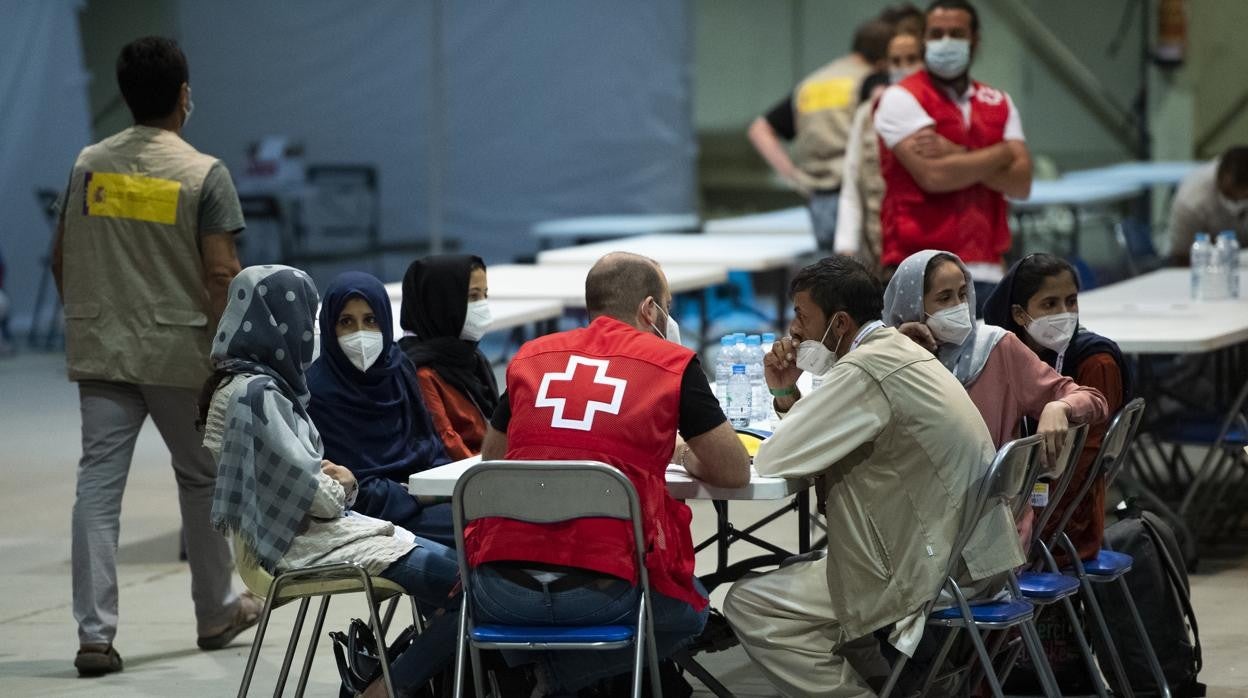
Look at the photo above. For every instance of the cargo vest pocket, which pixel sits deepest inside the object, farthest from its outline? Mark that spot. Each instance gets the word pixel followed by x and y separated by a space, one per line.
pixel 180 317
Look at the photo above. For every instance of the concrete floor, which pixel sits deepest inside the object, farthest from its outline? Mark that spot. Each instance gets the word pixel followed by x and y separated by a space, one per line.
pixel 39 449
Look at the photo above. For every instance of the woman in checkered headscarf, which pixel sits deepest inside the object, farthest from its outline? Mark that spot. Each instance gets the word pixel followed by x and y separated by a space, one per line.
pixel 289 506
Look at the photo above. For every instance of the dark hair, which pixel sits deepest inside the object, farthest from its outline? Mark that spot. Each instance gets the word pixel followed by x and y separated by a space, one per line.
pixel 905 18
pixel 871 40
pixel 1031 272
pixel 150 73
pixel 934 262
pixel 210 387
pixel 956 5
pixel 619 282
pixel 1233 166
pixel 841 283
pixel 869 84
pixel 475 264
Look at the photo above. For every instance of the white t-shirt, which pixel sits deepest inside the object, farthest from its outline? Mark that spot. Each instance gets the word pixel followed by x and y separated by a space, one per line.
pixel 900 115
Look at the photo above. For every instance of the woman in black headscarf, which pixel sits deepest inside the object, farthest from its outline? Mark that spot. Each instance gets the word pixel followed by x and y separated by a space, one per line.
pixel 1038 300
pixel 368 409
pixel 446 311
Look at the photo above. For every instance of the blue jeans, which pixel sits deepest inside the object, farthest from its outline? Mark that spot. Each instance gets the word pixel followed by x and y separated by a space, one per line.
pixel 496 599
pixel 823 208
pixel 428 573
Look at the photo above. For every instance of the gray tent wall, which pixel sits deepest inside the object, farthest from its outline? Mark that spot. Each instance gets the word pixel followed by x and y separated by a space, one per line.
pixel 550 109
pixel 44 122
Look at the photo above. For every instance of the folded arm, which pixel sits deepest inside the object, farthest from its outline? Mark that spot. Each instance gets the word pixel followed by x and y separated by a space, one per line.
pixel 951 171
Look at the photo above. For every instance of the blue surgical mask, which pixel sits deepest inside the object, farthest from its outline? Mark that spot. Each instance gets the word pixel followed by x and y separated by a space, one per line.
pixel 948 58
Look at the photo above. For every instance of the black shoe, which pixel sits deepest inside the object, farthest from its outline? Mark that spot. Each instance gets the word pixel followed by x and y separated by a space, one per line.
pixel 97 660
pixel 715 636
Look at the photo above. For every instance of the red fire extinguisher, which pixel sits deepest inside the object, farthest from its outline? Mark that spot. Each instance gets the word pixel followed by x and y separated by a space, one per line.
pixel 1171 33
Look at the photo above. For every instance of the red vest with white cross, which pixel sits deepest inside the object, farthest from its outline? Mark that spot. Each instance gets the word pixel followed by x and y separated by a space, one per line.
pixel 970 222
pixel 609 393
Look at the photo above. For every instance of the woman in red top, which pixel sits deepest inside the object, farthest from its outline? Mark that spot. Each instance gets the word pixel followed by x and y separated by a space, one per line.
pixel 1038 300
pixel 445 313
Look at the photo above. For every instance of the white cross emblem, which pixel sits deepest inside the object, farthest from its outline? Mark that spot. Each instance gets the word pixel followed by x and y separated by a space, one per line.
pixel 592 407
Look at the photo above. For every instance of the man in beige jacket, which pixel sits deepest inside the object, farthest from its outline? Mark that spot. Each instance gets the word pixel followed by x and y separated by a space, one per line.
pixel 901 449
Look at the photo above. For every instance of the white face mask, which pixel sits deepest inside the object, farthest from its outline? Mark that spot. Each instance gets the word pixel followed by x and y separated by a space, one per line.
pixel 672 333
pixel 896 75
pixel 948 58
pixel 362 348
pixel 1236 207
pixel 815 358
pixel 190 108
pixel 1053 331
pixel 951 325
pixel 477 321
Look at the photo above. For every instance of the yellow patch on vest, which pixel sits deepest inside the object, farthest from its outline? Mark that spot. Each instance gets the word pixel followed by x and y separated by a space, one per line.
pixel 835 93
pixel 136 197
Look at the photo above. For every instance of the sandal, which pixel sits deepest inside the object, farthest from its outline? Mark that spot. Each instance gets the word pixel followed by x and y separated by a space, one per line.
pixel 97 660
pixel 246 615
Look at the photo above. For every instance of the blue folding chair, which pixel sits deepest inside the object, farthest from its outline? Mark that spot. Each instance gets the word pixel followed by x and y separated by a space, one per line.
pixel 1042 588
pixel 1016 465
pixel 1108 566
pixel 549 492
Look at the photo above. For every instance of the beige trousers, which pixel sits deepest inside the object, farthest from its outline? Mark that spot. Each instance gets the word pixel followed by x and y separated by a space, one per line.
pixel 785 622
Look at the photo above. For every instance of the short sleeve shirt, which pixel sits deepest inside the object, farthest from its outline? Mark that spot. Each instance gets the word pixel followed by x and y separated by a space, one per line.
pixel 900 116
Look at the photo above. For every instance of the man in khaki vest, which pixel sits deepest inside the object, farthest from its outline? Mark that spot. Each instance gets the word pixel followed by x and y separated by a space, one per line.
pixel 144 256
pixel 901 449
pixel 816 118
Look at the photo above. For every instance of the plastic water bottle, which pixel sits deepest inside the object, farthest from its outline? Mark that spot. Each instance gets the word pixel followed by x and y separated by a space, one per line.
pixel 739 353
pixel 738 407
pixel 769 338
pixel 1228 252
pixel 723 366
pixel 1201 261
pixel 754 371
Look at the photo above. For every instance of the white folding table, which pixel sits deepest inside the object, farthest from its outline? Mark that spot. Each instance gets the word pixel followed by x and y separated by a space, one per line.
pixel 572 230
pixel 1152 314
pixel 1076 196
pixel 793 221
pixel 508 314
pixel 759 254
pixel 565 283
pixel 1145 174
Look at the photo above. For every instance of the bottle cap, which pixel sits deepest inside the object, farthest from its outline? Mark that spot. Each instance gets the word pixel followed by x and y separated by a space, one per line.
pixel 726 341
pixel 1202 237
pixel 753 340
pixel 738 368
pixel 769 337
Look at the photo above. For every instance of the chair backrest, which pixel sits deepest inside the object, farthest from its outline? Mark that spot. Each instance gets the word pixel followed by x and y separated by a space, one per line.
pixel 546 492
pixel 1014 465
pixel 1068 465
pixel 1118 439
pixel 254 576
pixel 1109 459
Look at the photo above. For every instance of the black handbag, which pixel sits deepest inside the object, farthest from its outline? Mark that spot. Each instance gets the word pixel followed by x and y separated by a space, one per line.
pixel 355 652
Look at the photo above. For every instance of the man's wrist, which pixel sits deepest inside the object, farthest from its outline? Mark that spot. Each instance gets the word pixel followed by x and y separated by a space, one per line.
pixel 783 392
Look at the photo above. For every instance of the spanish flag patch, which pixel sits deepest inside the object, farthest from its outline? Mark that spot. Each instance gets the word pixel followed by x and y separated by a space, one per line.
pixel 139 198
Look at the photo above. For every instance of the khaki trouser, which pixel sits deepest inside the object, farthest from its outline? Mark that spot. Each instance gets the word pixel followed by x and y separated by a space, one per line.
pixel 785 622
pixel 112 415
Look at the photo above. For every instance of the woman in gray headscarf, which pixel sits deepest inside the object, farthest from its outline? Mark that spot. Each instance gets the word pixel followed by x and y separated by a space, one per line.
pixel 930 299
pixel 290 507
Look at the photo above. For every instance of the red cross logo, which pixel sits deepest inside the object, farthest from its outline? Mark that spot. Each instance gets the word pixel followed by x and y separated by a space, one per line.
pixel 591 391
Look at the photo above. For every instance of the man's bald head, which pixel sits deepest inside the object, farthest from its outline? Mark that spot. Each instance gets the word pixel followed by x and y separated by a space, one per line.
pixel 619 282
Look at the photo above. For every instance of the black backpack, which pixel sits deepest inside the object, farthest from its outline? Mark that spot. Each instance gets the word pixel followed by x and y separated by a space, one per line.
pixel 1158 583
